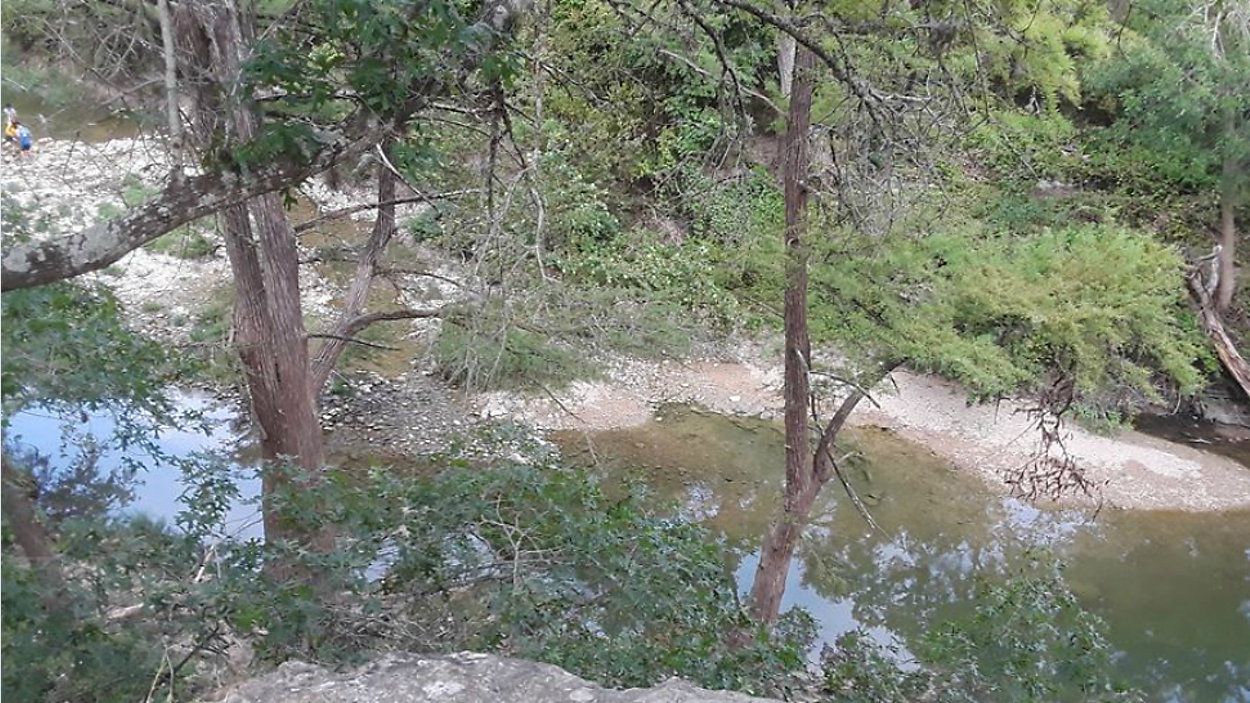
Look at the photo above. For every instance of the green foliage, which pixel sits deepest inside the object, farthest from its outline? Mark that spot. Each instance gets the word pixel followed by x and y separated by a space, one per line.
pixel 1027 147
pixel 1099 306
pixel 527 559
pixel 66 344
pixel 57 656
pixel 184 243
pixel 1177 91
pixel 1027 640
pixel 378 50
pixel 636 114
pixel 481 348
pixel 603 602
pixel 1033 50
pixel 579 210
pixel 679 275
pixel 74 645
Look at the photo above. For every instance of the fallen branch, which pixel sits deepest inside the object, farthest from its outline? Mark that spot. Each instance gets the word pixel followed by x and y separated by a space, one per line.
pixel 363 321
pixel 354 340
pixel 1225 349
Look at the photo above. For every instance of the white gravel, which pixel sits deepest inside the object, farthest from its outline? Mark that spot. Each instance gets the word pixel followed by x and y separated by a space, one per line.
pixel 1140 472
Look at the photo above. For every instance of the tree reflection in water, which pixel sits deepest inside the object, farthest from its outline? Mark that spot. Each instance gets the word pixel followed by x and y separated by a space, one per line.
pixel 1174 588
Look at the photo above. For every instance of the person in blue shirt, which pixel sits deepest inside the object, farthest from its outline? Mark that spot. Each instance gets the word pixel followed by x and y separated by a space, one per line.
pixel 24 139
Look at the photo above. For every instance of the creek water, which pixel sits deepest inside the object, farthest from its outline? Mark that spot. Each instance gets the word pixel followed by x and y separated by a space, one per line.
pixel 157 488
pixel 93 123
pixel 1173 587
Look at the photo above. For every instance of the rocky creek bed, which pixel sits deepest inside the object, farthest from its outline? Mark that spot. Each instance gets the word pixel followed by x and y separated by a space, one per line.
pixel 406 408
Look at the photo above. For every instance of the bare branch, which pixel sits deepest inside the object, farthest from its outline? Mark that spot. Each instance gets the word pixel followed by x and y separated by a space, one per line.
pixel 352 210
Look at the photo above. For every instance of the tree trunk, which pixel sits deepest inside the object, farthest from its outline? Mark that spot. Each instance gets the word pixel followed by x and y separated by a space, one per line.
pixel 171 83
pixel 366 269
pixel 779 544
pixel 1225 349
pixel 30 533
pixel 268 317
pixel 1227 284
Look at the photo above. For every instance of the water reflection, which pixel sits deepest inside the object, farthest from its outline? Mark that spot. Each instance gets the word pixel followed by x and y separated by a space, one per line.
pixel 159 482
pixel 1173 587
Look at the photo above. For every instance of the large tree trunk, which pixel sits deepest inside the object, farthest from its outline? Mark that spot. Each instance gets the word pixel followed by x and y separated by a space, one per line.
pixel 779 544
pixel 268 316
pixel 1227 284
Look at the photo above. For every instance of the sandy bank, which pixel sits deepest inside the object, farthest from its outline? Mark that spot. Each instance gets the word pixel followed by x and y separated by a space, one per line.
pixel 1139 472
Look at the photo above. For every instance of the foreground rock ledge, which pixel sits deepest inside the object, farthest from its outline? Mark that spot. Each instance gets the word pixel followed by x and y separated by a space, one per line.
pixel 456 678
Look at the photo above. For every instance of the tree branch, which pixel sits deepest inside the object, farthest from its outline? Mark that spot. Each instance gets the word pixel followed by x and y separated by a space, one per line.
pixel 352 210
pixel 35 263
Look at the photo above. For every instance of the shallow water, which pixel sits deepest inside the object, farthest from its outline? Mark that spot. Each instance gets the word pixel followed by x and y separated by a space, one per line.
pixel 92 124
pixel 1174 588
pixel 157 487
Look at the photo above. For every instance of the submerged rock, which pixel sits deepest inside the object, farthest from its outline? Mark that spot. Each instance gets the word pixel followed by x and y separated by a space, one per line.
pixel 456 678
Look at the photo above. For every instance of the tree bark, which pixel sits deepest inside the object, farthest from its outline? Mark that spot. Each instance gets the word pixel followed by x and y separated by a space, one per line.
pixel 358 294
pixel 779 544
pixel 1225 349
pixel 275 347
pixel 787 49
pixel 1227 285
pixel 171 83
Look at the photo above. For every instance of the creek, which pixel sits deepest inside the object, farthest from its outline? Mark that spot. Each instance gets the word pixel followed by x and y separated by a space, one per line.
pixel 87 122
pixel 157 488
pixel 1173 587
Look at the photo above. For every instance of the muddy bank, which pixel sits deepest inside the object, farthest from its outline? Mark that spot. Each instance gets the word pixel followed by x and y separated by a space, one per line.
pixel 1137 471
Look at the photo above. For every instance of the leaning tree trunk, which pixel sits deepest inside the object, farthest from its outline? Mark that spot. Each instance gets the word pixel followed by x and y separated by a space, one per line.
pixel 780 543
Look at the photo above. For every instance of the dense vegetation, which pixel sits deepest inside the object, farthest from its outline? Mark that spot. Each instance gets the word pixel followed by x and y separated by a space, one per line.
pixel 1010 195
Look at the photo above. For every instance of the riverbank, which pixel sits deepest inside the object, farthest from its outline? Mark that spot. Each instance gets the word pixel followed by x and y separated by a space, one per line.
pixel 400 404
pixel 1135 471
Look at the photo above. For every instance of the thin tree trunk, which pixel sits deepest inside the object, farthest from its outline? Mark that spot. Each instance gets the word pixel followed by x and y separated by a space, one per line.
pixel 171 83
pixel 786 49
pixel 779 544
pixel 1225 349
pixel 366 269
pixel 1227 284
pixel 535 176
pixel 30 533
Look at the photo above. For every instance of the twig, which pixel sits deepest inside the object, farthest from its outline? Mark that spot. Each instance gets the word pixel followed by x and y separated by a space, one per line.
pixel 354 340
pixel 347 211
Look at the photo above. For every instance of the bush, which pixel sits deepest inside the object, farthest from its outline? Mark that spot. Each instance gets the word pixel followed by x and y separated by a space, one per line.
pixel 184 243
pixel 1025 148
pixel 482 347
pixel 682 275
